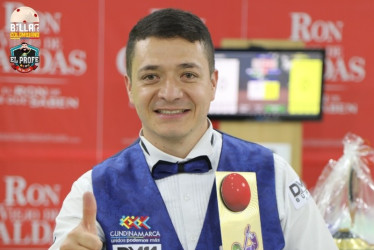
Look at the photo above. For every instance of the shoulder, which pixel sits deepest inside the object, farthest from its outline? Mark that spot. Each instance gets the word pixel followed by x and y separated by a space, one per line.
pixel 298 212
pixel 285 175
pixel 119 157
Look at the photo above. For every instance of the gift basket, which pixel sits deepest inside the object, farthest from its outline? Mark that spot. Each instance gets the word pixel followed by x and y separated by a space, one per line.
pixel 344 193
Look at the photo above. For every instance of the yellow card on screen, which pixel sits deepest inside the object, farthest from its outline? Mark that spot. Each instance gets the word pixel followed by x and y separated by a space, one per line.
pixel 305 86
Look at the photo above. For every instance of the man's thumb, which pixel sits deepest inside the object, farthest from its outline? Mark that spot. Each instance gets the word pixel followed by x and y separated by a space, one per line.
pixel 89 212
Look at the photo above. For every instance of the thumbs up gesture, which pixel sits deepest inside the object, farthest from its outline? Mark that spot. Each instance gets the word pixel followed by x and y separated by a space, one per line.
pixel 84 236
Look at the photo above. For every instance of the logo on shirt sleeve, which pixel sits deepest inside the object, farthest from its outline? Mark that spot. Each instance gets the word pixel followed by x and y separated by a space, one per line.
pixel 298 193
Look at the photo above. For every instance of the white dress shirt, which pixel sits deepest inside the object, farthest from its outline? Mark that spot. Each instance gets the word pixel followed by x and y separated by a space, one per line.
pixel 186 197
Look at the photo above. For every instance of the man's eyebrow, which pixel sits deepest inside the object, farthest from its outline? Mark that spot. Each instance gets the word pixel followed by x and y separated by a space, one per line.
pixel 149 67
pixel 189 65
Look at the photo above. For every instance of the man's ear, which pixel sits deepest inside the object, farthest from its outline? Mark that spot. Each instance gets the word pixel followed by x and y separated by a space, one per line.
pixel 128 88
pixel 214 81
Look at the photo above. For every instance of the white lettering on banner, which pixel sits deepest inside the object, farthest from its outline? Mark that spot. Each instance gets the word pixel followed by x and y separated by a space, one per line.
pixel 23 27
pixel 51 21
pixel 38 138
pixel 37 97
pixel 305 29
pixel 25 218
pixel 340 108
pixel 18 193
pixel 16 214
pixel 55 62
pixel 9 7
pixel 338 68
pixel 26 214
pixel 333 104
pixel 52 43
pixel 39 233
pixel 3 39
pixel 4 61
pixel 31 90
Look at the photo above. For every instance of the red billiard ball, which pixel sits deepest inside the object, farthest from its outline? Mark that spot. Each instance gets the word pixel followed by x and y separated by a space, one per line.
pixel 235 192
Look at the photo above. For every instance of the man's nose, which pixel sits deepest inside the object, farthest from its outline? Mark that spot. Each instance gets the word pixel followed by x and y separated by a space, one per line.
pixel 170 90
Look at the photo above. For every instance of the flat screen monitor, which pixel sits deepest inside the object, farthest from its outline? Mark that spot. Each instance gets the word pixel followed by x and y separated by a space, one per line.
pixel 269 84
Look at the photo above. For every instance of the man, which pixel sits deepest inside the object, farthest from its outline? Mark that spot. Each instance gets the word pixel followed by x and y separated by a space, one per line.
pixel 171 80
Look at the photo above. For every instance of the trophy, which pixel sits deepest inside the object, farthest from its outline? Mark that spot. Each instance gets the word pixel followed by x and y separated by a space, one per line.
pixel 344 194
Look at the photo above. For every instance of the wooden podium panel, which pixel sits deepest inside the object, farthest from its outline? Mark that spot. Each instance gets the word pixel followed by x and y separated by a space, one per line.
pixel 269 132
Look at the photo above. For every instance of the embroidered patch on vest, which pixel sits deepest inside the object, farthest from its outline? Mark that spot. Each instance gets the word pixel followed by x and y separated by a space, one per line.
pixel 136 229
pixel 298 193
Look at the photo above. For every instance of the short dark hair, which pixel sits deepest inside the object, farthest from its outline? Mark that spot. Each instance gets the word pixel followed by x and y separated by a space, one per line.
pixel 170 23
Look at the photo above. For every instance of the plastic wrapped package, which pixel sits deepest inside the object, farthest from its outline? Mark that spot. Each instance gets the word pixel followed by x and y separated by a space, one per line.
pixel 344 194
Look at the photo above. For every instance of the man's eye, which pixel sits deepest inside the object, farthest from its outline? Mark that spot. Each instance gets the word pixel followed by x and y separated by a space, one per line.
pixel 189 75
pixel 149 77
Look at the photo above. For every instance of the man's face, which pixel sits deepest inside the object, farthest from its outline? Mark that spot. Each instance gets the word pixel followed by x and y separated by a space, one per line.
pixel 24 47
pixel 171 88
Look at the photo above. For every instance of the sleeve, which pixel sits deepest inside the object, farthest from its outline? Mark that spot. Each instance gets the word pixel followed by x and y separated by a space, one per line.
pixel 302 224
pixel 71 212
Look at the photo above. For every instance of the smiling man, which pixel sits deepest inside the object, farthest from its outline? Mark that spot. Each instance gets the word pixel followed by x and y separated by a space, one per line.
pixel 159 193
pixel 172 96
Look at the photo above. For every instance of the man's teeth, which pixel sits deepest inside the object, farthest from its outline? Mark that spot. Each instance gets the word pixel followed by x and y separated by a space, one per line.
pixel 171 112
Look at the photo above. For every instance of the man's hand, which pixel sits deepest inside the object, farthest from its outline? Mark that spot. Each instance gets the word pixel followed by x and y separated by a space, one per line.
pixel 84 236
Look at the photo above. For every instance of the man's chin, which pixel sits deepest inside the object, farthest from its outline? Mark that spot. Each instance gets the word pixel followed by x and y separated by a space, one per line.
pixel 172 134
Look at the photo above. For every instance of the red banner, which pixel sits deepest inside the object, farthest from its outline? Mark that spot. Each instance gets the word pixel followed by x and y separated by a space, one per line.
pixel 72 111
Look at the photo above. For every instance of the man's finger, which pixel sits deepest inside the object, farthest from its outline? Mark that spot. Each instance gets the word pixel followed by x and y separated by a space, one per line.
pixel 89 212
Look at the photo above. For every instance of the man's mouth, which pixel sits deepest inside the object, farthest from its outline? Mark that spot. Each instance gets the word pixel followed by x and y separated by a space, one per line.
pixel 171 112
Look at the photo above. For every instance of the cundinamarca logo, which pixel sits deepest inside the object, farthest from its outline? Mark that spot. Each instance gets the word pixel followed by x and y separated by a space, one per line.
pixel 134 222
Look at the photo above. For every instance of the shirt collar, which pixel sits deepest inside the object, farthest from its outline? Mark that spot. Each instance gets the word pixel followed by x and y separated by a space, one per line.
pixel 203 147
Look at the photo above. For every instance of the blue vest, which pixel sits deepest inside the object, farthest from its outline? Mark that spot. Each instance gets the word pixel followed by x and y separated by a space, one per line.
pixel 131 210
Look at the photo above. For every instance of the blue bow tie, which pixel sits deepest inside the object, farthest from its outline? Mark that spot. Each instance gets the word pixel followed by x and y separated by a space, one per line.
pixel 162 169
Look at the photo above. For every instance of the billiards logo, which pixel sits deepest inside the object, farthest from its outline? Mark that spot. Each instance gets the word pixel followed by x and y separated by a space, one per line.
pixel 24 23
pixel 24 33
pixel 235 192
pixel 24 57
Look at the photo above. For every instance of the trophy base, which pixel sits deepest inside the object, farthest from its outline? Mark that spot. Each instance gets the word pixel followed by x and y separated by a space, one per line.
pixel 346 240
